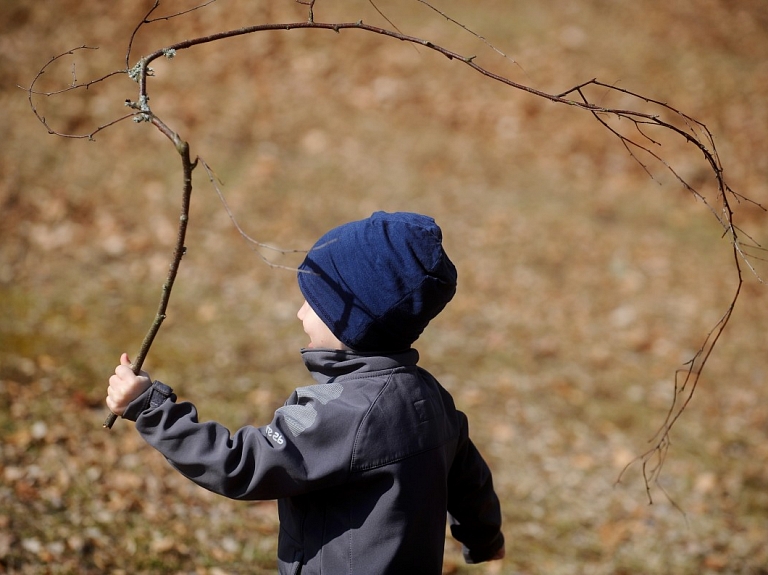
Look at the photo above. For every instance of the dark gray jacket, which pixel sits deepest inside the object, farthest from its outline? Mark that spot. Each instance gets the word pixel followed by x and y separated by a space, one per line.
pixel 364 466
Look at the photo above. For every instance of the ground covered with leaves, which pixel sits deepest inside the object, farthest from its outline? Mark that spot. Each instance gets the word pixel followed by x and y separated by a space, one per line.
pixel 584 283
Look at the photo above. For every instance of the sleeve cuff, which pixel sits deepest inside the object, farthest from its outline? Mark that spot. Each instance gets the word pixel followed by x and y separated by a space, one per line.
pixel 480 555
pixel 157 394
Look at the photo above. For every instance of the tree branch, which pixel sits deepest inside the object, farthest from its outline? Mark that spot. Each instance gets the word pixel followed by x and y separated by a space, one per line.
pixel 693 132
pixel 187 166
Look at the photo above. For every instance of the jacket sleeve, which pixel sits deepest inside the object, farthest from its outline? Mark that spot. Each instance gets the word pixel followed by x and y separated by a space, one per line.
pixel 268 462
pixel 474 508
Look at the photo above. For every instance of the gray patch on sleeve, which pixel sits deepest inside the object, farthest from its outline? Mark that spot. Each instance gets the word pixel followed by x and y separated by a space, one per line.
pixel 299 417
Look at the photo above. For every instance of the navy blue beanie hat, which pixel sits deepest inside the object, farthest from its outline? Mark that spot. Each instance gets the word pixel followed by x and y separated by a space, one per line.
pixel 377 283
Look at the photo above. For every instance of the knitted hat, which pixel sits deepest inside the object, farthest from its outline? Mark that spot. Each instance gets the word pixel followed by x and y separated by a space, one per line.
pixel 376 283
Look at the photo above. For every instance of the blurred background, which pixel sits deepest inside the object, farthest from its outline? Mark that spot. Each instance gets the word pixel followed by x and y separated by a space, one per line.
pixel 584 284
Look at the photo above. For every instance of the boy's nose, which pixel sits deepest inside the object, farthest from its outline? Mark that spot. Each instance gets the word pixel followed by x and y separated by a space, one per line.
pixel 300 313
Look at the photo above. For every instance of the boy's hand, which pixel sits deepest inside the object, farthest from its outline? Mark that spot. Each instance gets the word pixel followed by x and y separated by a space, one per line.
pixel 125 386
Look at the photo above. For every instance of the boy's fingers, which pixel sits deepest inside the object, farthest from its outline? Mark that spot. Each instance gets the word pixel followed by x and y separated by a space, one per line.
pixel 125 362
pixel 123 371
pixel 114 406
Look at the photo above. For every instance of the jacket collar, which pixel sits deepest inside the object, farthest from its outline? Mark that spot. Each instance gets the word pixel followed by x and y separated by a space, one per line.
pixel 327 365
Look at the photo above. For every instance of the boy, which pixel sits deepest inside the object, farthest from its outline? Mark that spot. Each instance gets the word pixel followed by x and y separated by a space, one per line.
pixel 366 462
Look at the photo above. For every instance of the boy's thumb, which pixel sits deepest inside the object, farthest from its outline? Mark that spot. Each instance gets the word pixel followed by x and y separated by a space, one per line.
pixel 124 360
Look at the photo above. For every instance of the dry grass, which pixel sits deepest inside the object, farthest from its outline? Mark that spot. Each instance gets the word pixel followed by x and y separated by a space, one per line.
pixel 584 284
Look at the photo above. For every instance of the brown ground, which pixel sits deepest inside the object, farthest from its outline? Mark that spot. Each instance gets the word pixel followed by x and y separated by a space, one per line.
pixel 584 284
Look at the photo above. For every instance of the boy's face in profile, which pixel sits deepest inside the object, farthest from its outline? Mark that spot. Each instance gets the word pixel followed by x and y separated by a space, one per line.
pixel 319 334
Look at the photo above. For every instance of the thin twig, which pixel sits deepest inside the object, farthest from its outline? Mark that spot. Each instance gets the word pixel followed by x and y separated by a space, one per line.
pixel 136 31
pixel 254 242
pixel 475 34
pixel 378 10
pixel 32 92
pixel 177 14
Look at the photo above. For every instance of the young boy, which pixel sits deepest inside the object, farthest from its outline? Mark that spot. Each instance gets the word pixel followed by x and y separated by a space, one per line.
pixel 367 462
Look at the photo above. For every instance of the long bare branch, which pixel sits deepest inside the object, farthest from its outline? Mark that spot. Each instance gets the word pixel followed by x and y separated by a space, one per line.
pixel 644 142
pixel 187 165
